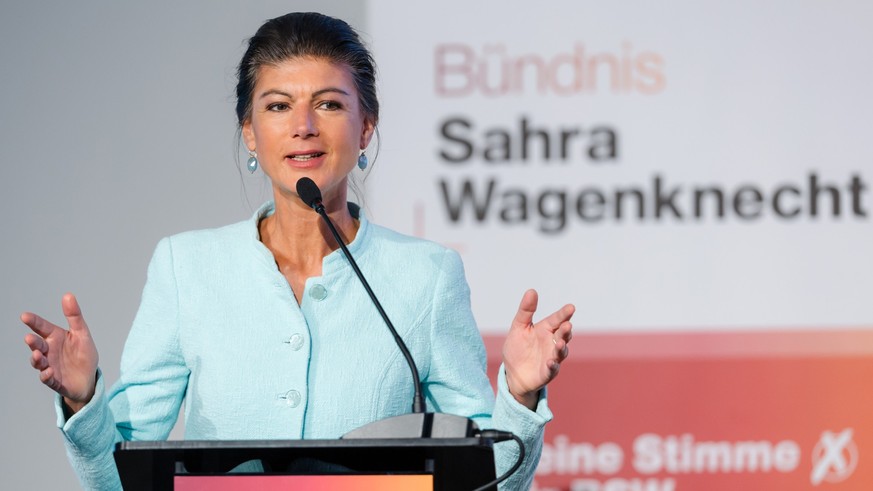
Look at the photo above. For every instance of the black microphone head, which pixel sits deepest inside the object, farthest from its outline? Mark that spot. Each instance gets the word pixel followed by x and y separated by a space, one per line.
pixel 308 192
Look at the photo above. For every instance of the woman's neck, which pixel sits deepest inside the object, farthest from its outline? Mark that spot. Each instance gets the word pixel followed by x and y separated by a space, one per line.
pixel 298 237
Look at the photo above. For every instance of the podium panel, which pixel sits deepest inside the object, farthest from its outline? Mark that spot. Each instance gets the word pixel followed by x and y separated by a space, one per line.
pixel 450 463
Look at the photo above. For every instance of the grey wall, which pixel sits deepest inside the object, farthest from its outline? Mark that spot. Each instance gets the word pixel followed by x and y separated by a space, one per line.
pixel 116 129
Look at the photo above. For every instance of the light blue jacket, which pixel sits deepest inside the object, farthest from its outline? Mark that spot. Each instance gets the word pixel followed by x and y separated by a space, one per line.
pixel 219 327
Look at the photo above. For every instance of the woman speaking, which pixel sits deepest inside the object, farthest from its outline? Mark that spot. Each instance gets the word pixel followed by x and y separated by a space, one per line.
pixel 262 328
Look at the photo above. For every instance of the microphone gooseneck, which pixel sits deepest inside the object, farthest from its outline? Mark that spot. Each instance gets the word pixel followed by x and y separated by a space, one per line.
pixel 309 193
pixel 419 424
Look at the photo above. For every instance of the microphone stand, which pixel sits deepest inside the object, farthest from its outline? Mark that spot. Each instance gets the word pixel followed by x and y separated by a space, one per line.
pixel 419 424
pixel 418 403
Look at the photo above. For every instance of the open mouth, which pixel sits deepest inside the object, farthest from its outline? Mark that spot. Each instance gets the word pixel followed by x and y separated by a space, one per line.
pixel 303 157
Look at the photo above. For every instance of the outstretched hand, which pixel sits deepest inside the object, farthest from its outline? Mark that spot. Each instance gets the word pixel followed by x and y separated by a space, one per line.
pixel 532 353
pixel 66 359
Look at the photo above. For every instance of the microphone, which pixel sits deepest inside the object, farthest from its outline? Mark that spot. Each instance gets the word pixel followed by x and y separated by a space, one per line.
pixel 309 193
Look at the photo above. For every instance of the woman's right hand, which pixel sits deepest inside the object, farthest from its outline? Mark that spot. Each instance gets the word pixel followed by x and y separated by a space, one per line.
pixel 66 359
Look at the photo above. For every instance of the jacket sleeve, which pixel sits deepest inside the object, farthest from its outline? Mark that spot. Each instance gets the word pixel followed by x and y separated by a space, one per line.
pixel 457 380
pixel 144 403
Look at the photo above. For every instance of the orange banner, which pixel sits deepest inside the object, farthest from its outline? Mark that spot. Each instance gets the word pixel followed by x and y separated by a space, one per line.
pixel 713 411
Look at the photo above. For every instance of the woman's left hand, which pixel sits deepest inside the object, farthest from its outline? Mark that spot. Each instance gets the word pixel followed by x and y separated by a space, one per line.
pixel 532 353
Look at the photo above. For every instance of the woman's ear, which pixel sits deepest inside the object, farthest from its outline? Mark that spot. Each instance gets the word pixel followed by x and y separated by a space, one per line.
pixel 367 133
pixel 248 135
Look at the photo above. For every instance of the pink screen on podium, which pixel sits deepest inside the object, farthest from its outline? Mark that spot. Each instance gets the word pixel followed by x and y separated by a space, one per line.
pixel 309 483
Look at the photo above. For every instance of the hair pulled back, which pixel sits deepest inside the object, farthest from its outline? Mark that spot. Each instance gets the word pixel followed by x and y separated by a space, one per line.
pixel 307 34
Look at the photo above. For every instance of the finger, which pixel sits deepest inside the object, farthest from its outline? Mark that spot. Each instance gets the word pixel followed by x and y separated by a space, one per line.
pixel 73 313
pixel 36 343
pixel 38 360
pixel 47 377
pixel 565 331
pixel 37 324
pixel 560 316
pixel 526 309
pixel 554 367
pixel 562 349
pixel 564 352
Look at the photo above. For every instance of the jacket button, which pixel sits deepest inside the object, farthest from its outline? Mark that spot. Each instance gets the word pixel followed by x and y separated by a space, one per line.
pixel 296 342
pixel 292 398
pixel 318 292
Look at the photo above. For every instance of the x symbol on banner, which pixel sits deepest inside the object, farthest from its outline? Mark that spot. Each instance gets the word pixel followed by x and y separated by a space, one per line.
pixel 828 456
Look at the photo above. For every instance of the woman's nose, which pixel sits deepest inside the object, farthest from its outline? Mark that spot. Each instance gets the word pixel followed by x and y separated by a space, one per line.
pixel 303 124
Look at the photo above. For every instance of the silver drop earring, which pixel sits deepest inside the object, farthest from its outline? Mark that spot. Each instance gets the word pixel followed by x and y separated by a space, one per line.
pixel 363 161
pixel 252 164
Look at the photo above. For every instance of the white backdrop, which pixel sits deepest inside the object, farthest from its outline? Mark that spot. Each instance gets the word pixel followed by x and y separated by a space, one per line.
pixel 745 97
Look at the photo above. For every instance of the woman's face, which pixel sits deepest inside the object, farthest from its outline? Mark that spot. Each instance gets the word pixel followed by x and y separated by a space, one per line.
pixel 307 121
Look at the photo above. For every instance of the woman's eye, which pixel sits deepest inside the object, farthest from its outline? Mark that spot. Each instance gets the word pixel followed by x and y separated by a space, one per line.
pixel 277 106
pixel 330 105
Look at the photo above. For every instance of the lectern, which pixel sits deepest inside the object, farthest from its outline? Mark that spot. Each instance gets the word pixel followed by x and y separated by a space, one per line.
pixel 410 464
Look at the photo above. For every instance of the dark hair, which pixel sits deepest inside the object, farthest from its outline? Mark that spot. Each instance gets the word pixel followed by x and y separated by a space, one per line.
pixel 307 34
